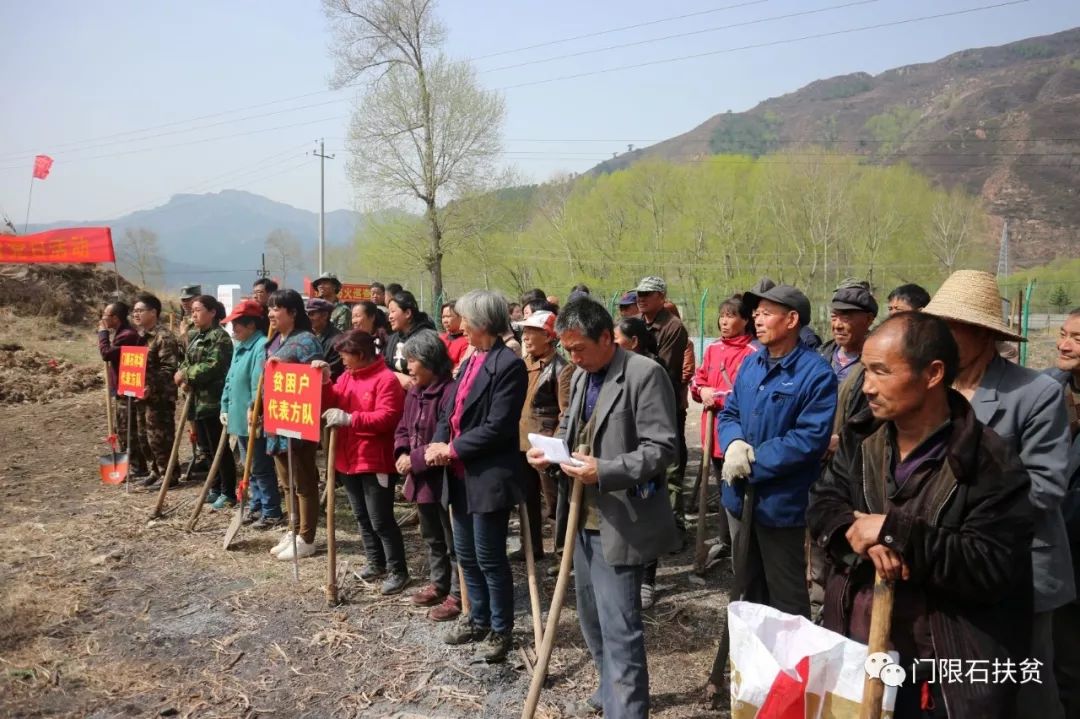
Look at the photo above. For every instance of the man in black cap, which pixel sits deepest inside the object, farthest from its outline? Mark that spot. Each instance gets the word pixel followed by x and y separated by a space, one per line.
pixel 628 305
pixel 327 286
pixel 319 312
pixel 774 428
pixel 852 310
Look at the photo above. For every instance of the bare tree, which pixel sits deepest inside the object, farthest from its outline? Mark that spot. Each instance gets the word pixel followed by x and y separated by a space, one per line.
pixel 140 252
pixel 955 221
pixel 283 251
pixel 424 130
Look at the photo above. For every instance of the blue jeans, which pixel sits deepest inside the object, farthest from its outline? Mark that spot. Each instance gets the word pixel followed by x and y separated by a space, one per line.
pixel 612 627
pixel 265 497
pixel 480 542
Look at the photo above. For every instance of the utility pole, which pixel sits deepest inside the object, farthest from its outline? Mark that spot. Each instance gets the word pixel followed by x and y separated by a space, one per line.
pixel 262 271
pixel 323 157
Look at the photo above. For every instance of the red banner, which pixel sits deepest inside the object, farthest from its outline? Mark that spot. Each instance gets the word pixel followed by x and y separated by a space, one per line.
pixel 131 379
pixel 78 244
pixel 292 401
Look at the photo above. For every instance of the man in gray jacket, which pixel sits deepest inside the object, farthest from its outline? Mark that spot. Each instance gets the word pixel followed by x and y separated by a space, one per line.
pixel 1067 617
pixel 621 419
pixel 1026 409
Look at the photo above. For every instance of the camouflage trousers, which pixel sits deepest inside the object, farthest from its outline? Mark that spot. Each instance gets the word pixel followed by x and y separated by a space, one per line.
pixel 157 428
pixel 134 452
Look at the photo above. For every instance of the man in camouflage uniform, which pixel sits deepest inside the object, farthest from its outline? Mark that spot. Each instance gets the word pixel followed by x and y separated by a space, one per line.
pixel 156 411
pixel 187 330
pixel 327 286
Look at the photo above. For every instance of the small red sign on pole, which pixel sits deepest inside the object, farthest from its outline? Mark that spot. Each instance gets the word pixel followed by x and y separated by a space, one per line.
pixel 354 293
pixel 292 401
pixel 131 379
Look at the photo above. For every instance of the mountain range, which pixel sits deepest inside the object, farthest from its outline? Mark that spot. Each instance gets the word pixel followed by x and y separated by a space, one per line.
pixel 219 237
pixel 1001 122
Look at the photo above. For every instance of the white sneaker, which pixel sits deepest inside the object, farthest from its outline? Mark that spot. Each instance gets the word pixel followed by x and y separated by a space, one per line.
pixel 303 549
pixel 285 541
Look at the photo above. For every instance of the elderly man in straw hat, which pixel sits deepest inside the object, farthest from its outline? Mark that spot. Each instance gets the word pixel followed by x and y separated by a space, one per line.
pixel 1027 409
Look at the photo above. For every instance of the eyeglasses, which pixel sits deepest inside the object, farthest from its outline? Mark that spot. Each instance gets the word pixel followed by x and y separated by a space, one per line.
pixel 138 310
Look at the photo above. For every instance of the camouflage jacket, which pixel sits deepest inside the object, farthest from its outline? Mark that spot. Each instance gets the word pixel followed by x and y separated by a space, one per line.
pixel 341 317
pixel 162 361
pixel 205 366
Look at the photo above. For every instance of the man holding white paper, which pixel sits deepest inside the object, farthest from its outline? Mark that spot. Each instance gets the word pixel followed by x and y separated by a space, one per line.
pixel 621 421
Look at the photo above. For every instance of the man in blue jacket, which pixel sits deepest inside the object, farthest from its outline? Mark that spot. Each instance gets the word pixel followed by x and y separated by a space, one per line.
pixel 774 428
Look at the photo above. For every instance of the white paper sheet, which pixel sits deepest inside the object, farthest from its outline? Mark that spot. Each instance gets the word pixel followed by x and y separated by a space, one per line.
pixel 554 449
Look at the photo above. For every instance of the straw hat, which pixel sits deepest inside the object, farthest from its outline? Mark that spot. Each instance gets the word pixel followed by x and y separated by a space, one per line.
pixel 973 298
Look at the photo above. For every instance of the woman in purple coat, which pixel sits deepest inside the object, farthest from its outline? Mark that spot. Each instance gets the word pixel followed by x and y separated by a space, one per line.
pixel 430 368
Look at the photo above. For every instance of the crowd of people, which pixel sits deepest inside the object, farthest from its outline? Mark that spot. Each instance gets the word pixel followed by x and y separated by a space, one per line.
pixel 907 449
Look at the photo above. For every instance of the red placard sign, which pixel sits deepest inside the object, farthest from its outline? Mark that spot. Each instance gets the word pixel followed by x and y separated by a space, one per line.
pixel 292 400
pixel 80 244
pixel 354 293
pixel 131 379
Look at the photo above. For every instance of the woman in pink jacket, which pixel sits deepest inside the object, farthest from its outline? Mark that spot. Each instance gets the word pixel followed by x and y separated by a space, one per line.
pixel 366 403
pixel 715 378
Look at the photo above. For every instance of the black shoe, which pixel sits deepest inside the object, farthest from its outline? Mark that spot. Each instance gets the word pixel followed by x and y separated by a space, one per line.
pixel 464 631
pixel 265 522
pixel 495 647
pixel 251 518
pixel 370 572
pixel 394 584
pixel 150 480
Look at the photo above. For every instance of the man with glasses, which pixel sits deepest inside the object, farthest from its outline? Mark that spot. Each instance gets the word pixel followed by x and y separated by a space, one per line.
pixel 671 340
pixel 774 428
pixel 157 410
pixel 262 289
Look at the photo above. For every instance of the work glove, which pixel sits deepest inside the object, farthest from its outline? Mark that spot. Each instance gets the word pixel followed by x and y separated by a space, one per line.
pixel 337 418
pixel 737 460
pixel 224 419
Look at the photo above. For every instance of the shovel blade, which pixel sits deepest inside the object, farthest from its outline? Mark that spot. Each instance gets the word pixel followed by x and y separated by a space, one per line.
pixel 234 525
pixel 113 468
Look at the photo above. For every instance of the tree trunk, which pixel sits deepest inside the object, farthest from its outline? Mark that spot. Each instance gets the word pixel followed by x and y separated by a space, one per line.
pixel 435 252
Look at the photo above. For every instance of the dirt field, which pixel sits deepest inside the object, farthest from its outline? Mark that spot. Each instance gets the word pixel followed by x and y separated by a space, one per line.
pixel 104 615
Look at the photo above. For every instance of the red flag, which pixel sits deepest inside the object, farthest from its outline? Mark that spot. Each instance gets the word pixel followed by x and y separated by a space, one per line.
pixel 42 165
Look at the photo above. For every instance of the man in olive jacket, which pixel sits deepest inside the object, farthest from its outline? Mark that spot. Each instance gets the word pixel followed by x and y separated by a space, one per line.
pixel 922 493
pixel 622 409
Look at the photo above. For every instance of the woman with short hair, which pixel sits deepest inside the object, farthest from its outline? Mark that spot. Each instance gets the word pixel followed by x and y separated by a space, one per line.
pixel 369 317
pixel 206 363
pixel 365 404
pixel 427 400
pixel 294 343
pixel 478 440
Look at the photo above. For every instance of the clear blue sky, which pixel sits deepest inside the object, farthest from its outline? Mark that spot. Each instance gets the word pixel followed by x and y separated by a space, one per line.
pixel 72 72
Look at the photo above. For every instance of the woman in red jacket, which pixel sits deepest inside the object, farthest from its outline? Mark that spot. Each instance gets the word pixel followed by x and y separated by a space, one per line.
pixel 367 402
pixel 715 378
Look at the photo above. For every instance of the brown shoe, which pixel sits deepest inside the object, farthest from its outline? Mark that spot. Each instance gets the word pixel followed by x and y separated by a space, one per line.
pixel 429 596
pixel 448 610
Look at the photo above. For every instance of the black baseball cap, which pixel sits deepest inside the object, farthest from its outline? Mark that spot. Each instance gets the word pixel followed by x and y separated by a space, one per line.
pixel 782 295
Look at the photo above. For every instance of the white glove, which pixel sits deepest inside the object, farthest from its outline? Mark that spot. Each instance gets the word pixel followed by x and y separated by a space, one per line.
pixel 224 418
pixel 337 418
pixel 737 460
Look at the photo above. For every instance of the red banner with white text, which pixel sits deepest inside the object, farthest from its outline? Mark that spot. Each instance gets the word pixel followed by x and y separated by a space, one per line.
pixel 78 244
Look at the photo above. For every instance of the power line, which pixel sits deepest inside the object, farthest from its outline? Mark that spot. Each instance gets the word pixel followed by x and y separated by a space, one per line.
pixel 772 43
pixel 650 41
pixel 192 142
pixel 619 29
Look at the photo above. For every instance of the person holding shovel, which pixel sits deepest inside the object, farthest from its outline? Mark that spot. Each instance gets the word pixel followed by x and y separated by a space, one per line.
pixel 249 327
pixel 114 333
pixel 622 415
pixel 925 496
pixel 206 363
pixel 294 343
pixel 365 403
pixel 431 368
pixel 157 409
pixel 774 428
